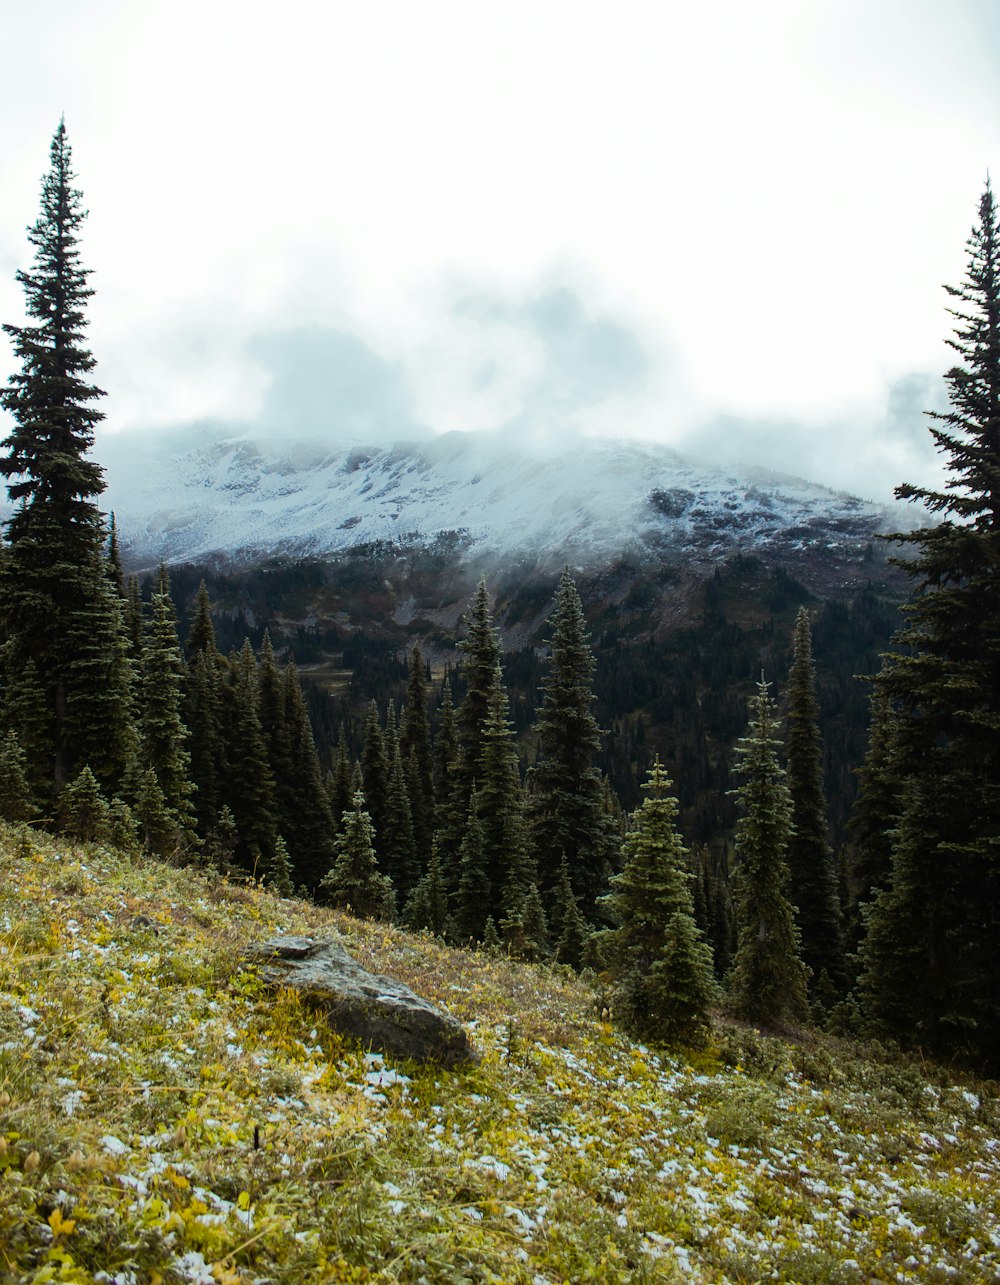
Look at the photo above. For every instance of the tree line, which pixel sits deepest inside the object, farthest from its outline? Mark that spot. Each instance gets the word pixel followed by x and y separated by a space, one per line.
pixel 115 730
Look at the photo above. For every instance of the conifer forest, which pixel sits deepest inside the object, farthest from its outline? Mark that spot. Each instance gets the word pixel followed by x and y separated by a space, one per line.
pixel 795 823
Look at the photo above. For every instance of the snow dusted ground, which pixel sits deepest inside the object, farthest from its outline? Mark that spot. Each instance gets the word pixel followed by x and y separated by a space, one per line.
pixel 590 499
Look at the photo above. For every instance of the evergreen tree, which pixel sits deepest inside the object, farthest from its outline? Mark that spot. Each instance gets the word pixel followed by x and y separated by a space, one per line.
pixel 201 635
pixel 355 882
pixel 134 617
pixel 662 969
pixel 481 651
pixel 812 885
pixel 157 824
pixel 934 927
pixel 570 931
pixel 505 860
pixel 122 828
pixel 415 747
pixel 249 786
pixel 768 981
pixel 57 601
pixel 279 870
pixel 16 802
pixel 309 820
pixel 375 773
pixel 567 813
pixel 204 684
pixel 338 783
pixel 428 906
pixel 473 895
pixel 163 734
pixel 25 714
pixel 83 809
pixel 875 815
pixel 397 850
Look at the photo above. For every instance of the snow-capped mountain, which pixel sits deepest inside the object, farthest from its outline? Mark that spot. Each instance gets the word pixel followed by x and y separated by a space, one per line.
pixel 586 502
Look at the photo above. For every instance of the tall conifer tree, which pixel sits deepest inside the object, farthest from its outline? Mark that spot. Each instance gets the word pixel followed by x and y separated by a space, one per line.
pixel 57 600
pixel 567 815
pixel 812 885
pixel 932 965
pixel 768 980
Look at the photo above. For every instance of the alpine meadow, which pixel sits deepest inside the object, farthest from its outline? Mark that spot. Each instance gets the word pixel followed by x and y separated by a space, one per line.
pixel 692 846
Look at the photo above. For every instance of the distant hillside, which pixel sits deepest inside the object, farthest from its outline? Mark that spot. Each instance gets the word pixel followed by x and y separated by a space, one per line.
pixel 164 1120
pixel 480 498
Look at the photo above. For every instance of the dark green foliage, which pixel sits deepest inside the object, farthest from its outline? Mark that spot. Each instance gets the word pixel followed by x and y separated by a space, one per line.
pixel 525 926
pixel 397 850
pixel 661 966
pixel 122 827
pixel 164 737
pixel 481 651
pixel 506 864
pixel 338 784
pixel 203 709
pixel 570 930
pixel 354 880
pixel 415 747
pixel 768 980
pixel 83 809
pixel 307 818
pixel 16 803
pixel 279 869
pixel 812 884
pixel 473 895
pixel 222 840
pixel 933 930
pixel 567 816
pixel 201 635
pixel 375 768
pixel 875 814
pixel 158 826
pixel 55 569
pixel 249 789
pixel 25 714
pixel 428 905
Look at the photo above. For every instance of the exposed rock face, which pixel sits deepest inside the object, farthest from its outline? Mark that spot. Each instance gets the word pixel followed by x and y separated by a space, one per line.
pixel 379 1011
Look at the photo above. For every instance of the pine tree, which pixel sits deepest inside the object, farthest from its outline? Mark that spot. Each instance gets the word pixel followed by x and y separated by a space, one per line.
pixel 812 885
pixel 309 820
pixel 354 881
pixel 473 895
pixel 935 924
pixel 567 813
pixel 338 783
pixel 415 747
pixel 875 815
pixel 57 600
pixel 279 870
pixel 768 982
pixel 204 684
pixel 397 850
pixel 570 931
pixel 26 715
pixel 16 802
pixel 427 906
pixel 201 635
pixel 664 985
pixel 375 772
pixel 164 737
pixel 505 859
pixel 157 823
pixel 83 809
pixel 249 785
pixel 481 651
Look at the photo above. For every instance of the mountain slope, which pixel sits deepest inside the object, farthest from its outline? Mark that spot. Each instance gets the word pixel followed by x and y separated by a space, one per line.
pixel 587 502
pixel 163 1119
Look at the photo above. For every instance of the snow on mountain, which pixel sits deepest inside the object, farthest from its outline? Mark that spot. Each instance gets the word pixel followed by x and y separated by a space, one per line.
pixel 586 501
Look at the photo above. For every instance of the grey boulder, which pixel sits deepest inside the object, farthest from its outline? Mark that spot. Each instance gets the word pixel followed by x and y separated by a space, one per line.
pixel 381 1012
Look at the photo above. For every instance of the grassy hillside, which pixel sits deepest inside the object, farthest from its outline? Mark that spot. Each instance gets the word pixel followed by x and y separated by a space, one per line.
pixel 163 1119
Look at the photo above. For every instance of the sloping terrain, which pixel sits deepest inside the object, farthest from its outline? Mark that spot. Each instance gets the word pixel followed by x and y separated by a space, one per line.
pixel 163 1119
pixel 482 495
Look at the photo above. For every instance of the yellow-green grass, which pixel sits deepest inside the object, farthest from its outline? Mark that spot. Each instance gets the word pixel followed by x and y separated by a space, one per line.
pixel 163 1118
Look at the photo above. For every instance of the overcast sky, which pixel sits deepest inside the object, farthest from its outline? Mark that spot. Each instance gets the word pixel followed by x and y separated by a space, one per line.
pixel 721 224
